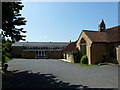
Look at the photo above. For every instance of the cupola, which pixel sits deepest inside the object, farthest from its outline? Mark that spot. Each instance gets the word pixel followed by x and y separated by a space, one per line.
pixel 101 26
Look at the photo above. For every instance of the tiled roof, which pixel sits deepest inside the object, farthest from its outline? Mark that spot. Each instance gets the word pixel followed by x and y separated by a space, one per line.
pixel 113 34
pixel 96 36
pixel 70 47
pixel 108 35
pixel 50 44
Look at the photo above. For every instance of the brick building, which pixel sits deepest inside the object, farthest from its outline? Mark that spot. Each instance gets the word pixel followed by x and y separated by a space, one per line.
pixel 38 49
pixel 99 46
pixel 67 52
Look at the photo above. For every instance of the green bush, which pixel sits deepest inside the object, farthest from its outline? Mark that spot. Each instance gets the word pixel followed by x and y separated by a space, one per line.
pixel 76 55
pixel 84 59
pixel 6 50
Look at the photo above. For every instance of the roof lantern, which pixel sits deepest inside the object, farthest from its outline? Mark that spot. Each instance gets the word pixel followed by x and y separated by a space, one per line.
pixel 101 26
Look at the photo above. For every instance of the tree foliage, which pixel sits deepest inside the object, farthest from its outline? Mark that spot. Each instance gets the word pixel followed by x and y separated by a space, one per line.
pixel 84 59
pixel 6 50
pixel 76 55
pixel 11 19
pixel 11 27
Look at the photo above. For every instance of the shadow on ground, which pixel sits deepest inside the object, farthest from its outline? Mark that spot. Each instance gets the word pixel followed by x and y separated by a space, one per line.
pixel 27 79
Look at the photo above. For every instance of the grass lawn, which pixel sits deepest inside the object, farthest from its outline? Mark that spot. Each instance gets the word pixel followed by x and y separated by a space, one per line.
pixel 80 64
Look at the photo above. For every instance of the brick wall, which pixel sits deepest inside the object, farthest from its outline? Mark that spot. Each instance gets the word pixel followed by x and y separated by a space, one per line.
pixel 29 54
pixel 55 54
pixel 97 52
pixel 17 51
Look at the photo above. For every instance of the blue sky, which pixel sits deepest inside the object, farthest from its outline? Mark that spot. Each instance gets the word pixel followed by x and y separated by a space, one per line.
pixel 64 21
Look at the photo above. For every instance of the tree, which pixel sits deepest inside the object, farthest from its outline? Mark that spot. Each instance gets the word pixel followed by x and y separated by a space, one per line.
pixel 6 50
pixel 11 19
pixel 76 55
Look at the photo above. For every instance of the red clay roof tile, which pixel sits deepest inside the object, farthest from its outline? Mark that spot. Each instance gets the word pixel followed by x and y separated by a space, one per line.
pixel 108 35
pixel 70 47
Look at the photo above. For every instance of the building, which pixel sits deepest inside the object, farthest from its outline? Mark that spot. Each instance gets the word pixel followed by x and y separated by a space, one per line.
pixel 118 54
pixel 100 46
pixel 38 49
pixel 67 52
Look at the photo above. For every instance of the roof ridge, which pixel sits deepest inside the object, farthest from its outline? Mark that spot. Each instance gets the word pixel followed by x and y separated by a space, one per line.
pixel 42 42
pixel 112 27
pixel 90 31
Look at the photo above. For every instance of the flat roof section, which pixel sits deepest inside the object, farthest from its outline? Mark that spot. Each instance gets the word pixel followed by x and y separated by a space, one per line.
pixel 40 44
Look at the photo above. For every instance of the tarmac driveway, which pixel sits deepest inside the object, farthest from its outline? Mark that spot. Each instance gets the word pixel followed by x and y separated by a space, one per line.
pixel 54 73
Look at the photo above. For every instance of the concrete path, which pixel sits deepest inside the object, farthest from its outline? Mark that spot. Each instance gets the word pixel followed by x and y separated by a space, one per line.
pixel 67 74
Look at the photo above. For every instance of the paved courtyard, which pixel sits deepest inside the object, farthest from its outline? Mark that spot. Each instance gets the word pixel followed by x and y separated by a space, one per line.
pixel 45 73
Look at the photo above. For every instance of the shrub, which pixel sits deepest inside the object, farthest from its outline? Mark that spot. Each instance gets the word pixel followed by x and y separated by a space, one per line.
pixel 84 59
pixel 76 55
pixel 6 50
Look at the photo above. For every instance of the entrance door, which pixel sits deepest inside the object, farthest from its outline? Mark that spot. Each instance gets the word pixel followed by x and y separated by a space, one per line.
pixel 41 54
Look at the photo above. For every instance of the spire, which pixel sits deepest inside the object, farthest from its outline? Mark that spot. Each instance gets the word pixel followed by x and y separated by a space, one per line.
pixel 101 26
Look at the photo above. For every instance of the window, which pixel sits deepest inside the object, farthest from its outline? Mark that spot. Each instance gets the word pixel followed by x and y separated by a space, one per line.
pixel 83 42
pixel 83 46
